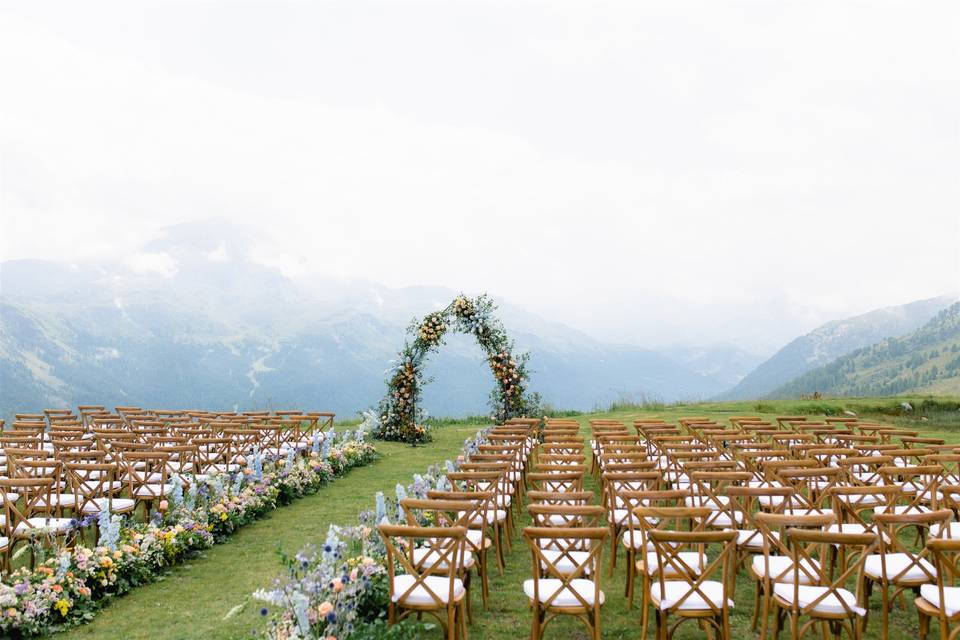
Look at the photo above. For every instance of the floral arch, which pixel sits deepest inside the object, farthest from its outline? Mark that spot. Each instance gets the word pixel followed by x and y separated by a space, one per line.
pixel 399 414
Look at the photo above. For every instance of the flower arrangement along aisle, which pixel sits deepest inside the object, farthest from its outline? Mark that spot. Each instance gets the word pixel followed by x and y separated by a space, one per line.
pixel 68 585
pixel 399 414
pixel 340 590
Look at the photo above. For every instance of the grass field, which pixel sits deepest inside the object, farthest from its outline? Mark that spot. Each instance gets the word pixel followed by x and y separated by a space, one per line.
pixel 193 600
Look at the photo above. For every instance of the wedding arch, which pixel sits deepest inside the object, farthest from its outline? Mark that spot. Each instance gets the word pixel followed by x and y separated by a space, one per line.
pixel 399 414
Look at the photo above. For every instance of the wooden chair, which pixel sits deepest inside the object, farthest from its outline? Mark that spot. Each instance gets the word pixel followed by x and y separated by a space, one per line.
pixel 942 599
pixel 693 592
pixel 425 588
pixel 564 583
pixel 897 566
pixel 821 597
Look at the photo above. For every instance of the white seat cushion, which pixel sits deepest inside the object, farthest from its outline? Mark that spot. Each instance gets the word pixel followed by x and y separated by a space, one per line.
pixel 830 604
pixel 696 561
pixel 425 557
pixel 897 562
pixel 902 508
pixel 4 543
pixel 474 536
pixel 781 568
pixel 723 519
pixel 499 516
pixel 118 505
pixel 807 511
pixel 953 530
pixel 440 585
pixel 623 516
pixel 566 598
pixel 674 590
pixel 752 538
pixel 152 491
pixel 861 500
pixel 45 524
pixel 931 594
pixel 566 562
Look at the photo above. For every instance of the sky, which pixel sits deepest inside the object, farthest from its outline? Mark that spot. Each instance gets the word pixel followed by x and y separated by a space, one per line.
pixel 653 173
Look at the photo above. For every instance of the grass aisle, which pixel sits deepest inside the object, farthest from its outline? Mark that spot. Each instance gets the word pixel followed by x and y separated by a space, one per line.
pixel 193 599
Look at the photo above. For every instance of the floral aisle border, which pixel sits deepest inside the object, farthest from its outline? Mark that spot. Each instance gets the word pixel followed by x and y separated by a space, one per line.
pixel 68 587
pixel 340 590
pixel 399 414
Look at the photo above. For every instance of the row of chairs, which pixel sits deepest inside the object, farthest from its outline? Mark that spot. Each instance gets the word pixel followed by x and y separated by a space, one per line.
pixel 58 468
pixel 818 516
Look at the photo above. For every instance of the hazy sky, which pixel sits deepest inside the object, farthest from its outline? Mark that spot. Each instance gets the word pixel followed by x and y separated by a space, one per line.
pixel 651 172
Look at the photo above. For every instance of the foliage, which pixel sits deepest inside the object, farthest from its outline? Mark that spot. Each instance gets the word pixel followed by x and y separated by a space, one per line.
pixel 399 415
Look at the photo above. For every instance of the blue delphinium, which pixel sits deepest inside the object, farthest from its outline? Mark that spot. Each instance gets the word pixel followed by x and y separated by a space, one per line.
pixel 176 494
pixel 401 495
pixel 381 513
pixel 326 448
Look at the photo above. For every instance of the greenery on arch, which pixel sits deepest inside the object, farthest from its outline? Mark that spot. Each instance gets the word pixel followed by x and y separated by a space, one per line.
pixel 400 415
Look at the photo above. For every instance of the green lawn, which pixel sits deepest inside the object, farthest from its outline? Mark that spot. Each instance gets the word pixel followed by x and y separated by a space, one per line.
pixel 192 600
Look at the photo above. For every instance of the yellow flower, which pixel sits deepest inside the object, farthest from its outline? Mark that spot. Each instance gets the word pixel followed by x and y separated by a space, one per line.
pixel 223 516
pixel 62 605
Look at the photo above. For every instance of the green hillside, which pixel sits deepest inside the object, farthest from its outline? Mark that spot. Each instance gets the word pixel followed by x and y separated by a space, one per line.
pixel 925 361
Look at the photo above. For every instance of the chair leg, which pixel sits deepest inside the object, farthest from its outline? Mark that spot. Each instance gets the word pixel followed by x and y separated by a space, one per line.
pixel 644 605
pixel 924 624
pixel 884 611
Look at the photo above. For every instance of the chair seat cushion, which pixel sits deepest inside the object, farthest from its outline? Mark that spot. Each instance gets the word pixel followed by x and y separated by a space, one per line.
pixel 752 538
pixel 696 561
pixel 781 568
pixel 902 508
pixel 807 594
pixel 45 524
pixel 951 595
pixel 547 587
pixel 147 491
pixel 491 516
pixel 566 562
pixel 426 557
pixel 439 585
pixel 4 543
pixel 953 529
pixel 474 536
pixel 116 506
pixel 895 564
pixel 707 593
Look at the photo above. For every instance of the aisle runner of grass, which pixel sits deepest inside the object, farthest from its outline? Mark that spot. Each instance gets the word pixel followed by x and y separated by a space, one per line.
pixel 194 599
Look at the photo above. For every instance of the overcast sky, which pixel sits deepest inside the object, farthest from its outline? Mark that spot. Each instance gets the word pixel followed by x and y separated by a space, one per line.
pixel 651 172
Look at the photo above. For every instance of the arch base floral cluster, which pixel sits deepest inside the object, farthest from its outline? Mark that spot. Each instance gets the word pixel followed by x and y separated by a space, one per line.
pixel 400 415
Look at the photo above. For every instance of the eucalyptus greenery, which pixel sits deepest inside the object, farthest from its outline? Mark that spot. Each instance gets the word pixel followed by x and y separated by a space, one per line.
pixel 400 415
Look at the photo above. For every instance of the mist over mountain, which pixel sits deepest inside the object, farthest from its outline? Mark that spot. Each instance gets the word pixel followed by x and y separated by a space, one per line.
pixel 833 340
pixel 195 320
pixel 924 361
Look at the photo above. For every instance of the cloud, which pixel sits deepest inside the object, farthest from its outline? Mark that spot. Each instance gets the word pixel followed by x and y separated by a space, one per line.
pixel 161 264
pixel 635 172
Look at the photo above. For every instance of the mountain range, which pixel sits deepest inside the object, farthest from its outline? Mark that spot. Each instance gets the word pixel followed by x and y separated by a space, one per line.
pixel 924 361
pixel 831 341
pixel 191 321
